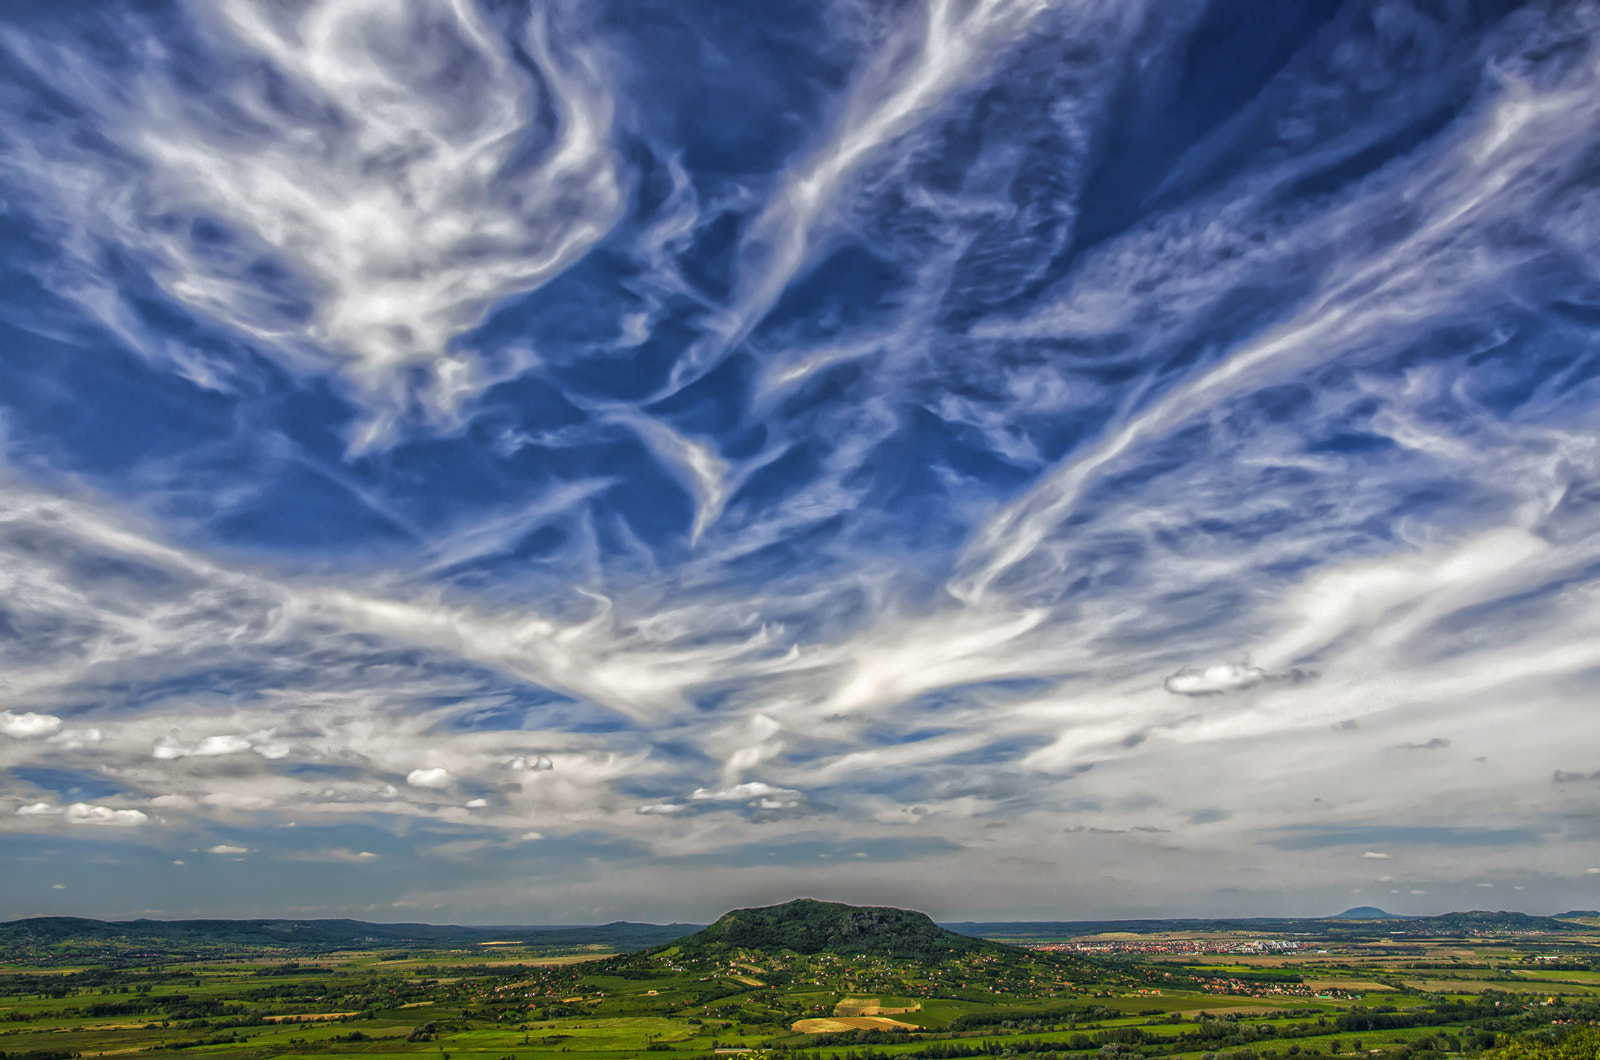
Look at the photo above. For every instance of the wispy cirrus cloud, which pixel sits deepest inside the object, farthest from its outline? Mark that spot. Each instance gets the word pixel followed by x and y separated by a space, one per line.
pixel 353 191
pixel 916 493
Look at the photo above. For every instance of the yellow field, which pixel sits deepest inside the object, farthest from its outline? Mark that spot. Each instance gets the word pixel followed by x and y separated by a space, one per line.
pixel 835 1024
pixel 1475 986
pixel 869 1006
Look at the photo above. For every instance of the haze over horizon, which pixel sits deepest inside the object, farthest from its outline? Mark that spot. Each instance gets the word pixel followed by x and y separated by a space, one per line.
pixel 493 461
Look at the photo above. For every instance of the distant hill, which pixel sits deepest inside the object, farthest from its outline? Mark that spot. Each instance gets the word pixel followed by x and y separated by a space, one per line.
pixel 80 935
pixel 804 926
pixel 808 926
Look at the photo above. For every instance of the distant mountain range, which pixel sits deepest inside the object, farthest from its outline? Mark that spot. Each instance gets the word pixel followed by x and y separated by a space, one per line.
pixel 804 925
pixel 184 936
pixel 1360 922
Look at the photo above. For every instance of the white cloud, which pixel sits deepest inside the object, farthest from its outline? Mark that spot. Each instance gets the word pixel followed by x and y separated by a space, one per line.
pixel 539 764
pixel 435 778
pixel 76 739
pixel 86 813
pixel 1376 856
pixel 756 793
pixel 38 809
pixel 170 747
pixel 477 804
pixel 1591 871
pixel 918 66
pixel 387 240
pixel 532 835
pixel 227 848
pixel 694 462
pixel 1215 680
pixel 1032 700
pixel 29 725
pixel 245 799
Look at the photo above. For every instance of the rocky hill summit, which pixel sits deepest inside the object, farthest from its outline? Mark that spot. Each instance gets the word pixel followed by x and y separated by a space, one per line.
pixel 807 926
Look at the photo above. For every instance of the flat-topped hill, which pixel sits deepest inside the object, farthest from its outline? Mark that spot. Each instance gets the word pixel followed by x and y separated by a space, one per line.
pixel 808 926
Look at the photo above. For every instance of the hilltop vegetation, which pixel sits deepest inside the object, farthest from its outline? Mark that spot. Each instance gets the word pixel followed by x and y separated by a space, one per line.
pixel 806 926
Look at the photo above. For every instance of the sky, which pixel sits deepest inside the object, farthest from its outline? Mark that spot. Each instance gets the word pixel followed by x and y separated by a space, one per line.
pixel 508 461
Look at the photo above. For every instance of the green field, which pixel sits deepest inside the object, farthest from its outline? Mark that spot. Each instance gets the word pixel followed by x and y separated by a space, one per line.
pixel 1427 1002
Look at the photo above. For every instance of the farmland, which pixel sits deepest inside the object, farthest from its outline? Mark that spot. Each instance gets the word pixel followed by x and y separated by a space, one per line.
pixel 1188 994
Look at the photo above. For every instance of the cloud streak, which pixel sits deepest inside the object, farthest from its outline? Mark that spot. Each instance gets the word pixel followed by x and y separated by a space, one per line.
pixel 458 442
pixel 354 192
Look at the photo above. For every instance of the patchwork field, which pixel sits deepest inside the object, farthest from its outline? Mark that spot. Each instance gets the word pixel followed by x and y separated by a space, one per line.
pixel 1423 1000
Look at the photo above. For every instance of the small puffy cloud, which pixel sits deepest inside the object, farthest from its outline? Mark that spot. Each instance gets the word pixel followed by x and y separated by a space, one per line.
pixel 29 725
pixel 76 739
pixel 1214 680
pixel 533 765
pixel 662 808
pixel 262 743
pixel 755 793
pixel 85 813
pixel 477 804
pixel 1385 879
pixel 227 848
pixel 1375 855
pixel 58 886
pixel 339 854
pixel 1587 872
pixel 533 835
pixel 1226 677
pixel 37 809
pixel 172 802
pixel 169 747
pixel 1414 891
pixel 434 778
pixel 237 800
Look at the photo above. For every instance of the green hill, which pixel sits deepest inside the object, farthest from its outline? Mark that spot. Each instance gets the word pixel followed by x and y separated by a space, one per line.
pixel 808 926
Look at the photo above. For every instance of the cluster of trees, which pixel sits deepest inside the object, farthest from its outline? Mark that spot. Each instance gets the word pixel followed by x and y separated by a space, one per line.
pixel 1049 1016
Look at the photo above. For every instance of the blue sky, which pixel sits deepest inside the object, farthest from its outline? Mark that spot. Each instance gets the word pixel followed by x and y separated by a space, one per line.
pixel 507 462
